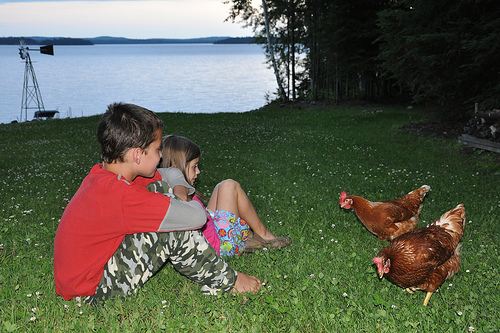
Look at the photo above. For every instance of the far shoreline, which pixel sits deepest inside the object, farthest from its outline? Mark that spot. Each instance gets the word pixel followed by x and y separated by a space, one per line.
pixel 122 40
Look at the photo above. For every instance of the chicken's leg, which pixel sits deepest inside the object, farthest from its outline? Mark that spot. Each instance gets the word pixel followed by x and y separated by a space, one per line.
pixel 427 297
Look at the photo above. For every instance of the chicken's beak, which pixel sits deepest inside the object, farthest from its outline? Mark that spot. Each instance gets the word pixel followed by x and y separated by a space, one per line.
pixel 345 205
pixel 381 274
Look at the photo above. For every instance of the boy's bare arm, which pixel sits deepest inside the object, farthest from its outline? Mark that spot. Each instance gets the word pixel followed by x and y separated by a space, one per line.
pixel 182 192
pixel 176 180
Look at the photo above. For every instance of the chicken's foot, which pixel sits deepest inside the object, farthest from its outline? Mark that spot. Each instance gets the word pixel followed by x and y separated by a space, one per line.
pixel 411 290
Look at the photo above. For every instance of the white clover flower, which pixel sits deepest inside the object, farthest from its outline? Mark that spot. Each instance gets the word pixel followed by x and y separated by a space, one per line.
pixel 459 313
pixel 164 302
pixel 320 231
pixel 467 271
pixel 393 306
pixel 312 276
pixel 285 276
pixel 344 295
pixel 471 329
pixel 29 295
pixel 33 318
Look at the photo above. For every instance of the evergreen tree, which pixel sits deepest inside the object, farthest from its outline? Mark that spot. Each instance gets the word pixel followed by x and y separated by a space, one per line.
pixel 444 52
pixel 432 52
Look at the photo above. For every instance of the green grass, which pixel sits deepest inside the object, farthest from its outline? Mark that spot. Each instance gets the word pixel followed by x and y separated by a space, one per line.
pixel 293 163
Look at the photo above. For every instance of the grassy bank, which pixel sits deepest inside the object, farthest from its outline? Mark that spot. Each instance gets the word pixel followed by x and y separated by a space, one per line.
pixel 293 163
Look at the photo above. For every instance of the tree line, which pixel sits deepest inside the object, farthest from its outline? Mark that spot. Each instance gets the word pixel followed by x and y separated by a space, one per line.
pixel 43 41
pixel 444 53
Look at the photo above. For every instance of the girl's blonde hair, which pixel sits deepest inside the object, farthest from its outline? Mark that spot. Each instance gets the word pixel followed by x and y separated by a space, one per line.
pixel 177 152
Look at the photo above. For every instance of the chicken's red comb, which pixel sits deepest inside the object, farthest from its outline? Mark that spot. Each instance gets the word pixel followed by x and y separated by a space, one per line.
pixel 343 195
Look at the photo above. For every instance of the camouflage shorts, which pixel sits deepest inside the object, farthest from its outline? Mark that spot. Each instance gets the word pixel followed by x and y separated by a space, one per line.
pixel 140 256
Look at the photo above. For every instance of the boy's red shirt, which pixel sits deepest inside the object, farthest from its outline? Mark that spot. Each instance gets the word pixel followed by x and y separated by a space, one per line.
pixel 105 208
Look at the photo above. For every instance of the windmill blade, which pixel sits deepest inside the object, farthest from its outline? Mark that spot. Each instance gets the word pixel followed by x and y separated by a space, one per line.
pixel 47 49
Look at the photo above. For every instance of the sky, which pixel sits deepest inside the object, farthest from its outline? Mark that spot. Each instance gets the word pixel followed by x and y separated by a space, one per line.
pixel 140 19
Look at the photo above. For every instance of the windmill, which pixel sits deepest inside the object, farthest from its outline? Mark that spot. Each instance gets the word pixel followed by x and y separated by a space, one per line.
pixel 32 98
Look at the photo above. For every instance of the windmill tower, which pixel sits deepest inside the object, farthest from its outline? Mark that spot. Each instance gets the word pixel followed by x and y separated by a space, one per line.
pixel 32 98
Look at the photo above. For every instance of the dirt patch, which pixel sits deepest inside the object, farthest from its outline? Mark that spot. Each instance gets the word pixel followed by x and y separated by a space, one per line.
pixel 449 129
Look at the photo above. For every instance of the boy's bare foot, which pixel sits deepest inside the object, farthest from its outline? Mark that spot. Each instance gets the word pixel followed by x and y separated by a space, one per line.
pixel 246 284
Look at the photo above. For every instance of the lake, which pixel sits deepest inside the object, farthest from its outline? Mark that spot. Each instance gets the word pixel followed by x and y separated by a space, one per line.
pixel 82 80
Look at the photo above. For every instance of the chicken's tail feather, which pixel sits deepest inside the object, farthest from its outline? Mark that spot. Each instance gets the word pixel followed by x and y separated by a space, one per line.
pixel 421 191
pixel 453 221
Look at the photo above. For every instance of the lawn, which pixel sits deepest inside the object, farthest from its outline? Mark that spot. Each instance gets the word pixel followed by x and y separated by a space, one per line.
pixel 293 162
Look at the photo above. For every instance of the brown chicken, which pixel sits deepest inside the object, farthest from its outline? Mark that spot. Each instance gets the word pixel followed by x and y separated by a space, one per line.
pixel 423 259
pixel 387 219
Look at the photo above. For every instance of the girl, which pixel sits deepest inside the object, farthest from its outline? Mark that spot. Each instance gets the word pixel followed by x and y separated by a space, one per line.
pixel 231 213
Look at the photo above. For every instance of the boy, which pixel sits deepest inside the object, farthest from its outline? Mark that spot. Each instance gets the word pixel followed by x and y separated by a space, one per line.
pixel 115 234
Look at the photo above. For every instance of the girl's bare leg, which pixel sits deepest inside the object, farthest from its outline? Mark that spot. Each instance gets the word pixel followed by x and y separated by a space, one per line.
pixel 229 196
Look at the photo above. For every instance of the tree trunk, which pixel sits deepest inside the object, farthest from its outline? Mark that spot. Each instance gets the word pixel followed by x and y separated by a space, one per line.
pixel 271 54
pixel 292 42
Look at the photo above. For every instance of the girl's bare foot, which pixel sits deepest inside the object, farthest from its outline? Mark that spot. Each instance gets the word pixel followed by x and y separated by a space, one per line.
pixel 258 242
pixel 246 284
pixel 267 235
pixel 264 235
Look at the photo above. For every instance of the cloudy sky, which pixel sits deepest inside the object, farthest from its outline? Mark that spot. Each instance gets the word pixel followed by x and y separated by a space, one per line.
pixel 131 19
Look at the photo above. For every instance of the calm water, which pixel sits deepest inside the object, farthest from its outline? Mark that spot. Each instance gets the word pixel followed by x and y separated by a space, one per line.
pixel 82 80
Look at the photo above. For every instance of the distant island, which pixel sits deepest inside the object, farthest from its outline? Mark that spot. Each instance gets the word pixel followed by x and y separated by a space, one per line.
pixel 237 40
pixel 121 40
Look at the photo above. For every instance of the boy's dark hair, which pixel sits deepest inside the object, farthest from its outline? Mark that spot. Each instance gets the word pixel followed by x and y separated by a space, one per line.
pixel 124 126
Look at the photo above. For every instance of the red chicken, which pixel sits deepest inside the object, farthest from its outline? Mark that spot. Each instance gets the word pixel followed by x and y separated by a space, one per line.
pixel 423 259
pixel 387 219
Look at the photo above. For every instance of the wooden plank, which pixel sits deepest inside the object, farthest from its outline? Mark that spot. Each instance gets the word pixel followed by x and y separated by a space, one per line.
pixel 494 115
pixel 472 141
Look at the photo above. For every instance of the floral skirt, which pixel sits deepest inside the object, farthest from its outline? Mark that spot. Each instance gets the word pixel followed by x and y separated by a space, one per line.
pixel 233 232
